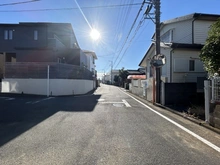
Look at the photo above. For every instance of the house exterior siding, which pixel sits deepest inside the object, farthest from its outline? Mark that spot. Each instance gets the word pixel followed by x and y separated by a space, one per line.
pixel 22 37
pixel 182 31
pixel 180 65
pixel 83 59
pixel 201 28
pixel 166 68
pixel 40 42
pixel 63 31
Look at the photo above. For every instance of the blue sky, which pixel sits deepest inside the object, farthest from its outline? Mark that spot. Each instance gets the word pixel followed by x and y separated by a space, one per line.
pixel 112 18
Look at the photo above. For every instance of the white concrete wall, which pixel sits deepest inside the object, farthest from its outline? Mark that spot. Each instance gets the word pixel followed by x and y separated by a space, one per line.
pixel 57 87
pixel 149 91
pixel 137 87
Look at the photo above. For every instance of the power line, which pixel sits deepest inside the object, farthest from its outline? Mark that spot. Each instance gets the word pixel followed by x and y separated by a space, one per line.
pixel 136 30
pixel 18 3
pixel 72 8
pixel 122 25
pixel 130 31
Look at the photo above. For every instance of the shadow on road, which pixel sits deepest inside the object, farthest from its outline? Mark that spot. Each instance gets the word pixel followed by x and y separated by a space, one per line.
pixel 20 113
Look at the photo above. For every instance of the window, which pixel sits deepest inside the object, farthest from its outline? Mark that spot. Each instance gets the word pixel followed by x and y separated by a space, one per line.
pixel 8 34
pixel 191 65
pixel 35 35
pixel 167 37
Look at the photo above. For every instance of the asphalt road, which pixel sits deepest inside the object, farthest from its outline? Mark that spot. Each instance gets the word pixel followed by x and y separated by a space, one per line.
pixel 106 127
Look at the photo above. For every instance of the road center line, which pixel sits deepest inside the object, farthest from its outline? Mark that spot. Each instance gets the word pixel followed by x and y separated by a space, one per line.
pixel 178 125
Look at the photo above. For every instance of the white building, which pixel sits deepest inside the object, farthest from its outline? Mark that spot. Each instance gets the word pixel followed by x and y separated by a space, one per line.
pixel 109 77
pixel 181 41
pixel 91 57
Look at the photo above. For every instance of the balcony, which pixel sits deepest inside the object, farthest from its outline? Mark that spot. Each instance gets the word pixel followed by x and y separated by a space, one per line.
pixel 55 43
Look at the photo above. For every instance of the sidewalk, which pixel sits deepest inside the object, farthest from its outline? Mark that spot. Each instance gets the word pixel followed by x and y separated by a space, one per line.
pixel 184 115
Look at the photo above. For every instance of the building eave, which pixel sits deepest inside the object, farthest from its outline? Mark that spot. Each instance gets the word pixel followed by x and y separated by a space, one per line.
pixel 186 46
pixel 146 54
pixel 198 16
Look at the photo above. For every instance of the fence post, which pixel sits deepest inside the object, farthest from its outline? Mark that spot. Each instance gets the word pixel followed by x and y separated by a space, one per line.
pixel 213 90
pixel 48 80
pixel 207 99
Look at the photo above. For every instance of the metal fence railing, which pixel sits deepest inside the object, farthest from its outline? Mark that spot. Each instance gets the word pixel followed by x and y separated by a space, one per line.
pixel 215 89
pixel 40 70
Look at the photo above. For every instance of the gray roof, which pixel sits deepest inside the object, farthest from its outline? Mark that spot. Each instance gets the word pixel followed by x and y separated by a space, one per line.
pixel 201 16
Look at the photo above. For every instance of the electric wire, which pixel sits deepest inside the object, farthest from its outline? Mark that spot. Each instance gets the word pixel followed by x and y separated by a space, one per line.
pixel 18 3
pixel 136 30
pixel 70 8
pixel 124 43
pixel 126 16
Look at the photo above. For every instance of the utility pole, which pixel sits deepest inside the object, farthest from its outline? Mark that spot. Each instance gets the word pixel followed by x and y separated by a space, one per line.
pixel 156 21
pixel 158 70
pixel 111 70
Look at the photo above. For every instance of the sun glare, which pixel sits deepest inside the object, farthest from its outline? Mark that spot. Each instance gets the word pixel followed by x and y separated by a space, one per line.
pixel 95 34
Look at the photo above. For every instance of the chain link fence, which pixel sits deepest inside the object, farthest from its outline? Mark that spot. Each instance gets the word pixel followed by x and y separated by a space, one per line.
pixel 40 71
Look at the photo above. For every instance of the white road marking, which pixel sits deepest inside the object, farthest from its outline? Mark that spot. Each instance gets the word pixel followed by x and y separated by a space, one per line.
pixel 178 125
pixel 123 102
pixel 10 99
pixel 7 98
pixel 100 100
pixel 111 102
pixel 35 102
pixel 21 156
pixel 42 100
pixel 126 103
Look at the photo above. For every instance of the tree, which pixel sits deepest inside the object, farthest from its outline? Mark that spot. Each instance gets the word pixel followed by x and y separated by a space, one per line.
pixel 123 74
pixel 210 53
pixel 116 79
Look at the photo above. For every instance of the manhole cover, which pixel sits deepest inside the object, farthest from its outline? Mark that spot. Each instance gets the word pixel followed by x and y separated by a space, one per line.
pixel 118 104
